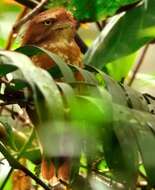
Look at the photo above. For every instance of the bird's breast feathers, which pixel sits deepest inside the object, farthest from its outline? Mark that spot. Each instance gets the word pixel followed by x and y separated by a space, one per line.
pixel 69 52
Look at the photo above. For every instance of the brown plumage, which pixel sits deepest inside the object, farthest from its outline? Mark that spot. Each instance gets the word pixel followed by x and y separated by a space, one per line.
pixel 54 30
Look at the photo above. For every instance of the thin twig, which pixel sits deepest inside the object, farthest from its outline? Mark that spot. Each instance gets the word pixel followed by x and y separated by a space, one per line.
pixel 28 3
pixel 16 165
pixel 13 34
pixel 6 179
pixel 81 44
pixel 99 26
pixel 18 157
pixel 19 116
pixel 30 15
pixel 104 22
pixel 138 65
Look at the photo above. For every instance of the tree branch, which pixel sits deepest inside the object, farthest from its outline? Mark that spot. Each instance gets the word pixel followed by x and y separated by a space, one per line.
pixel 25 146
pixel 81 44
pixel 138 65
pixel 16 165
pixel 99 26
pixel 28 3
pixel 30 15
pixel 13 34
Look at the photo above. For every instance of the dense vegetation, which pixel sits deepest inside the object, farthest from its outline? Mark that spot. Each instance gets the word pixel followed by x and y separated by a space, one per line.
pixel 105 126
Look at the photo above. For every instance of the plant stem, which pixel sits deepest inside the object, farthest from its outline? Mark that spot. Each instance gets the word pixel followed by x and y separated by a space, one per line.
pixel 16 165
pixel 29 3
pixel 99 26
pixel 13 34
pixel 138 65
pixel 18 157
pixel 17 115
pixel 6 179
pixel 29 15
pixel 81 44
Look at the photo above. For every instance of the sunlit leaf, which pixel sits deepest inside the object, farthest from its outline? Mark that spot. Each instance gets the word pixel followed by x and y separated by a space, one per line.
pixel 91 10
pixel 132 31
pixel 120 68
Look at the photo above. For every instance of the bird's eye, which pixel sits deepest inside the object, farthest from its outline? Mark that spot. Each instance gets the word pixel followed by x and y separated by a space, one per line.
pixel 47 22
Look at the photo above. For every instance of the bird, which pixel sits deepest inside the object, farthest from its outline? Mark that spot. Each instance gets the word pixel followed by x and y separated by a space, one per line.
pixel 54 30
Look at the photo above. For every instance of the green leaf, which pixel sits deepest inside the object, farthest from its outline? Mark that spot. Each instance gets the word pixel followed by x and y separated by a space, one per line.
pixel 124 157
pixel 9 135
pixel 67 70
pixel 132 31
pixel 116 91
pixel 92 120
pixel 87 76
pixel 5 69
pixel 120 68
pixel 64 68
pixel 136 99
pixel 139 136
pixel 145 136
pixel 17 84
pixel 39 78
pixel 91 10
pixel 8 185
pixel 68 93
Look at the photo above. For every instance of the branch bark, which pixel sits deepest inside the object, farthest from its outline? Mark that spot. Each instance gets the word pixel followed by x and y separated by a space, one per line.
pixel 138 65
pixel 13 34
pixel 36 10
pixel 16 165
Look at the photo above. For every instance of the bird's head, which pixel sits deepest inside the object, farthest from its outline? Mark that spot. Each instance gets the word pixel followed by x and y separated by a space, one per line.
pixel 49 25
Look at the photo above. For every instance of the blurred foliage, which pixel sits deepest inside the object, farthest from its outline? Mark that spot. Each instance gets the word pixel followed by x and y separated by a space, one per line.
pixel 91 10
pixel 106 128
pixel 8 12
pixel 130 32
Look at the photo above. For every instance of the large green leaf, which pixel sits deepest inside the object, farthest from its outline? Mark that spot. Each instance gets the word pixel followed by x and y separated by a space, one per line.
pixel 125 165
pixel 116 91
pixel 135 132
pixel 40 78
pixel 91 10
pixel 120 68
pixel 144 132
pixel 132 31
pixel 64 68
pixel 9 135
pixel 67 70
